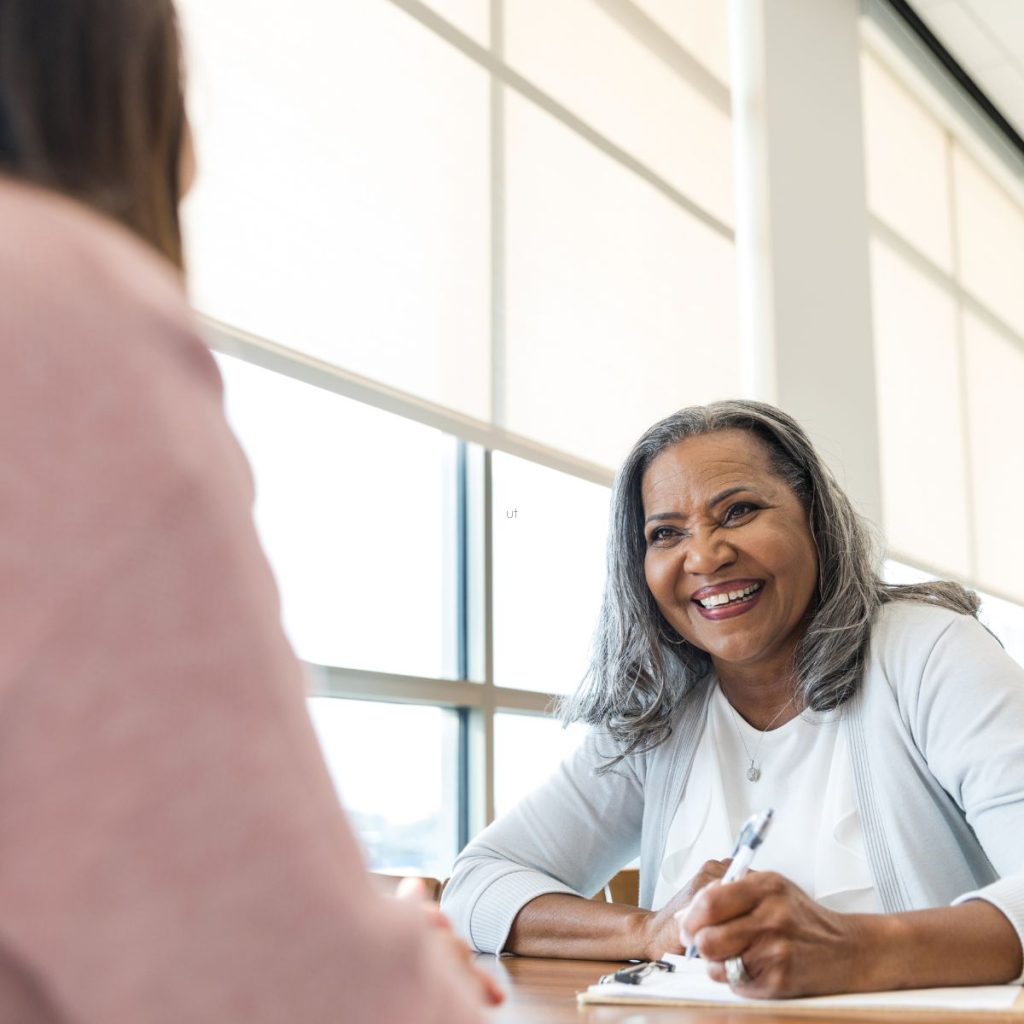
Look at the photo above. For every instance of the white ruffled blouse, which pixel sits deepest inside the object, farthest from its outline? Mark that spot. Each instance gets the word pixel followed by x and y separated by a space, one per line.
pixel 815 838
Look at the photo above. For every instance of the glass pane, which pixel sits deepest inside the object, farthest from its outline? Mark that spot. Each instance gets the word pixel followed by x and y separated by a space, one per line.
pixel 549 540
pixel 405 817
pixel 355 510
pixel 585 59
pixel 899 572
pixel 907 164
pixel 990 239
pixel 620 306
pixel 527 750
pixel 1006 620
pixel 342 205
pixel 921 417
pixel 995 379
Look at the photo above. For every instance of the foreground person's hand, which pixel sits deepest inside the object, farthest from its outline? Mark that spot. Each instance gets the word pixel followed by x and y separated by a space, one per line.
pixel 789 944
pixel 413 889
pixel 661 930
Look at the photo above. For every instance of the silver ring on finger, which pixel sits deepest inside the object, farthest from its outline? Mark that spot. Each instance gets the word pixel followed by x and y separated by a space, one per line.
pixel 736 972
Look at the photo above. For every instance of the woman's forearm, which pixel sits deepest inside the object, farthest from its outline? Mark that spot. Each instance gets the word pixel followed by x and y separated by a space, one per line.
pixel 559 925
pixel 566 926
pixel 970 944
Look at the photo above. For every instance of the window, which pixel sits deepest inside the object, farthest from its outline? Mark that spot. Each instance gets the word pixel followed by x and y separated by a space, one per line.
pixel 549 541
pixel 456 256
pixel 947 241
pixel 516 772
pixel 342 206
pixel 355 511
pixel 1006 620
pixel 406 816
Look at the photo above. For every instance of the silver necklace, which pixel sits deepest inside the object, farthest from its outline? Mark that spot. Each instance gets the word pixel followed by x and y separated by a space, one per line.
pixel 754 769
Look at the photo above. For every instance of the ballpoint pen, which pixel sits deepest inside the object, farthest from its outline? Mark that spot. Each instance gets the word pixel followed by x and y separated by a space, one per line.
pixel 750 838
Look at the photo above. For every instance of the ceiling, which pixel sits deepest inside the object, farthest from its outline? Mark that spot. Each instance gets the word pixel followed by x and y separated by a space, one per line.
pixel 986 37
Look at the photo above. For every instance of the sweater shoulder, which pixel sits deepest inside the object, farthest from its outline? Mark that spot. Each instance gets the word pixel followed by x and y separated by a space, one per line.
pixel 912 640
pixel 73 278
pixel 110 403
pixel 97 335
pixel 913 621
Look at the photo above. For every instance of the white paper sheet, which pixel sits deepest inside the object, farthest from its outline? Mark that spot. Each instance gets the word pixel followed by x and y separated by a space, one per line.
pixel 690 983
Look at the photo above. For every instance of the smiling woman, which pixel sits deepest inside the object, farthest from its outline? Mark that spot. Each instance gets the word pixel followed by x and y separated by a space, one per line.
pixel 731 564
pixel 748 655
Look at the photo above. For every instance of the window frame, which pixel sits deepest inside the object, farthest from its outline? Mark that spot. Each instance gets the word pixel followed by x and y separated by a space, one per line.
pixel 473 695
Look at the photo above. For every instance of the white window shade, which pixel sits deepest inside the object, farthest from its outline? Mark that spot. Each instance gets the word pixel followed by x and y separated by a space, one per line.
pixel 580 55
pixel 363 201
pixel 907 165
pixel 995 378
pixel 990 236
pixel 342 204
pixel 701 27
pixel 620 305
pixel 925 485
pixel 470 16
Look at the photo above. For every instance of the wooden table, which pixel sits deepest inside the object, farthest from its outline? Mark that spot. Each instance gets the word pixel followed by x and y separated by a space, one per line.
pixel 544 992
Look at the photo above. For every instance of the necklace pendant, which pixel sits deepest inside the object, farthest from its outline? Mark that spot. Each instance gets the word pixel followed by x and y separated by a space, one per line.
pixel 753 772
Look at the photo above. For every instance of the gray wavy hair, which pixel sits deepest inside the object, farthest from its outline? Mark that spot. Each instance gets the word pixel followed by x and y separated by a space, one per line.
pixel 642 668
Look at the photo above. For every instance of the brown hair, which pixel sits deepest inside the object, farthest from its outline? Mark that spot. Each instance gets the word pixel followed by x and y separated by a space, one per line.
pixel 91 105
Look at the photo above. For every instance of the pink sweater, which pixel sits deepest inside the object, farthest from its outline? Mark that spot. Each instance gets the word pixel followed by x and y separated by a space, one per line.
pixel 171 848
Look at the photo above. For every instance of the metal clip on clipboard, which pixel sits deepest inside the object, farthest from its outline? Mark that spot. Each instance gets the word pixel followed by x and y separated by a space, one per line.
pixel 635 973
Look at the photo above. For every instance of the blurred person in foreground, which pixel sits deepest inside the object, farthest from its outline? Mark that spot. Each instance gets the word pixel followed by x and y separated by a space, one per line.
pixel 749 656
pixel 171 847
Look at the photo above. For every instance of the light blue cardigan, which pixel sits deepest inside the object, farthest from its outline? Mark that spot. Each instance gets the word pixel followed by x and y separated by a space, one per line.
pixel 936 739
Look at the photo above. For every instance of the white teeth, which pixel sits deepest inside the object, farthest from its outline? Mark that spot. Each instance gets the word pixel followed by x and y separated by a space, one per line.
pixel 733 595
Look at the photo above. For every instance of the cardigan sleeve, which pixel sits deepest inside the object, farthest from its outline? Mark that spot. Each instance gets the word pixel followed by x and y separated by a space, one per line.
pixel 969 723
pixel 569 836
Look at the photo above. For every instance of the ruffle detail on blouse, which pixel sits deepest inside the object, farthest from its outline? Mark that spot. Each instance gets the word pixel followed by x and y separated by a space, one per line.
pixel 701 831
pixel 842 874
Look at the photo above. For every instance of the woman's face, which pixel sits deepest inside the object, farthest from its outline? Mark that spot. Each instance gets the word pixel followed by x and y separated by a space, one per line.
pixel 718 522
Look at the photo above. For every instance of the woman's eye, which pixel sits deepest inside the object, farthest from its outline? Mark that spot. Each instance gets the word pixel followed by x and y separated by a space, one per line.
pixel 661 534
pixel 739 511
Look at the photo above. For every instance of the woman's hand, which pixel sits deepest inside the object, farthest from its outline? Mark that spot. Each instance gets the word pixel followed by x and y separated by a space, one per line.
pixel 413 890
pixel 661 929
pixel 790 945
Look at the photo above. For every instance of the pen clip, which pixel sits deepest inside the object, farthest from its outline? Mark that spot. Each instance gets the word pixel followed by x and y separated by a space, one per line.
pixel 752 833
pixel 635 973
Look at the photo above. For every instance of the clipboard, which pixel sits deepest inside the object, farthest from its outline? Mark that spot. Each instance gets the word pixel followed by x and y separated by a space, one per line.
pixel 687 984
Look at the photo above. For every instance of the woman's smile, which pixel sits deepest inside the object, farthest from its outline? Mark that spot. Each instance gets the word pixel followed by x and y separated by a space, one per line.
pixel 727 600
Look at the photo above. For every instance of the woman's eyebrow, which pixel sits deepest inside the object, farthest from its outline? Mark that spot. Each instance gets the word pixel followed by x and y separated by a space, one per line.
pixel 660 517
pixel 721 496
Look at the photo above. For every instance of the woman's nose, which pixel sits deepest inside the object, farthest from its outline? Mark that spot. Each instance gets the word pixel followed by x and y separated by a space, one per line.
pixel 708 552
